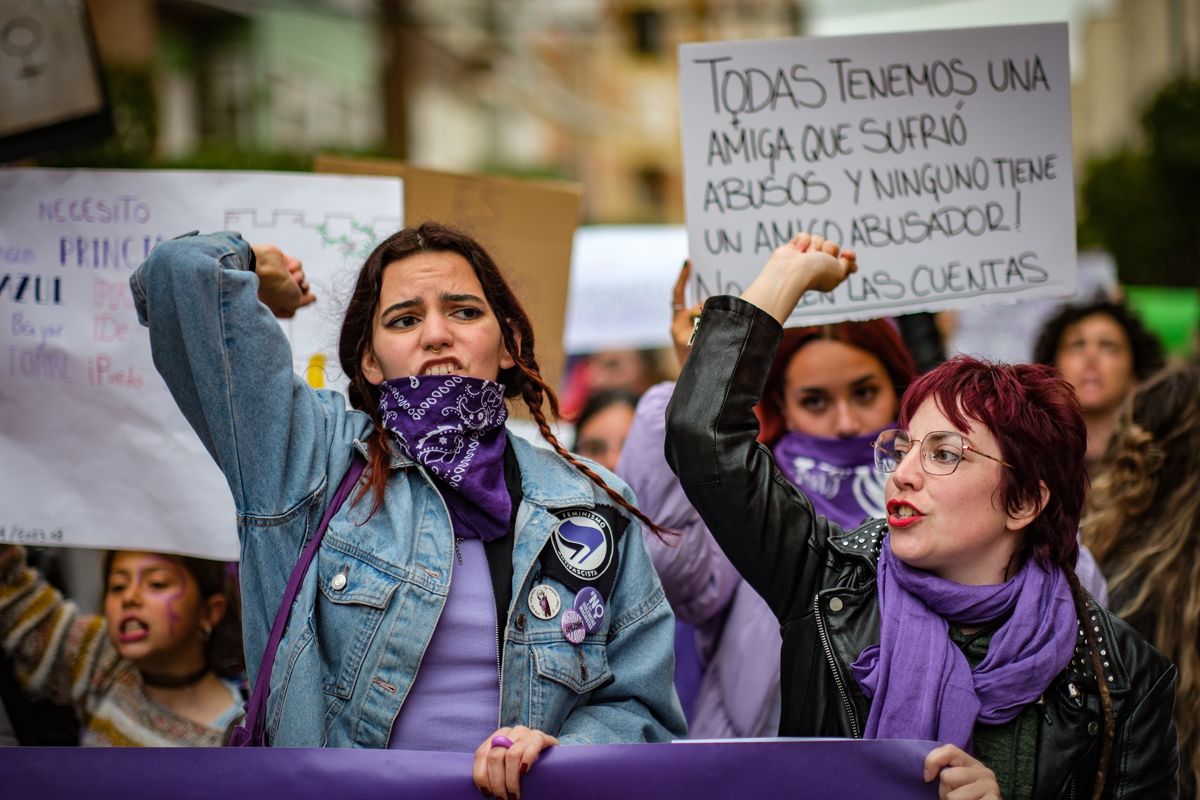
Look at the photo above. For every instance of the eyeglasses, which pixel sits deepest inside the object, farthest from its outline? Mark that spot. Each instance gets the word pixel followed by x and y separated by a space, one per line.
pixel 941 451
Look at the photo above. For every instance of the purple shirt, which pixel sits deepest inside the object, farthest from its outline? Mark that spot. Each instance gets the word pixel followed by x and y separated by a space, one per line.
pixel 454 703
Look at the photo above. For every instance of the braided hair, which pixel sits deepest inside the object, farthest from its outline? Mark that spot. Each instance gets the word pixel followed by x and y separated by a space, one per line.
pixel 522 380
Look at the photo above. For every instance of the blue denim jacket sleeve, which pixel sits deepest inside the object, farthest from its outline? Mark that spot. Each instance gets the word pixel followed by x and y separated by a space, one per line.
pixel 228 366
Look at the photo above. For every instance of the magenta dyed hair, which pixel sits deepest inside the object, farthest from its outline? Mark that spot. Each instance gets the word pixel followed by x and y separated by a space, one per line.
pixel 1034 416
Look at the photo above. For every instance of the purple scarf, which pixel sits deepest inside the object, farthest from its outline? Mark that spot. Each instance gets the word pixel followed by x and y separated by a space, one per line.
pixel 454 426
pixel 921 684
pixel 837 475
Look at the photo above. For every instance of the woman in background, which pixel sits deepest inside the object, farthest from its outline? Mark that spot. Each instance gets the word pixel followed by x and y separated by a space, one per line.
pixel 603 424
pixel 1102 350
pixel 160 668
pixel 1142 521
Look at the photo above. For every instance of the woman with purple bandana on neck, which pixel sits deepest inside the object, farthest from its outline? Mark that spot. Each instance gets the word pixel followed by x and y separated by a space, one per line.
pixel 472 587
pixel 957 619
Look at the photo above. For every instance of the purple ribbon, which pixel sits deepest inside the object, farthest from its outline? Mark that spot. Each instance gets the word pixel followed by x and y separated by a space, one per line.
pixel 454 427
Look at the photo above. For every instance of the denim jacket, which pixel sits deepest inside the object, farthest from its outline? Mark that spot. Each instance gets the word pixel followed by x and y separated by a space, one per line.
pixel 353 645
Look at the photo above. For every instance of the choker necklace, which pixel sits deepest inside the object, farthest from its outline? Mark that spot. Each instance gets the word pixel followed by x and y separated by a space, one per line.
pixel 174 681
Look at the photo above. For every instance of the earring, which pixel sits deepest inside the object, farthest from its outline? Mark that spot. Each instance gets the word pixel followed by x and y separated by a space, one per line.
pixel 205 631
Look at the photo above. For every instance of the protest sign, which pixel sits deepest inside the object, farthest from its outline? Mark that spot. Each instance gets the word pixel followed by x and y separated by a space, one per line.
pixel 526 226
pixel 96 454
pixel 943 158
pixel 621 282
pixel 815 769
pixel 49 79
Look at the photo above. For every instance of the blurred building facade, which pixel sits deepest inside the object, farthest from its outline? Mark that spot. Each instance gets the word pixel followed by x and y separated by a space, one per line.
pixel 1129 54
pixel 585 90
pixel 255 74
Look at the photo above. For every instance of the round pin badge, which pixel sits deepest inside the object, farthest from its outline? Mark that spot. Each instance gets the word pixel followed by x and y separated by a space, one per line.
pixel 544 602
pixel 590 605
pixel 572 626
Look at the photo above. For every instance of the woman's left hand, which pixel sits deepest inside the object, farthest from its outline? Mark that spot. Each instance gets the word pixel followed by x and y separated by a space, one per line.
pixel 960 777
pixel 498 769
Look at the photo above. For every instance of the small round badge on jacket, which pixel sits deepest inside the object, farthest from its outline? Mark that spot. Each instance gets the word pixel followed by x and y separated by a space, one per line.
pixel 544 602
pixel 590 606
pixel 573 627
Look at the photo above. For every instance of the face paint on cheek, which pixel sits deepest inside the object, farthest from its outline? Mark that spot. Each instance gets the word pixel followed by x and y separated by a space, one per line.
pixel 169 600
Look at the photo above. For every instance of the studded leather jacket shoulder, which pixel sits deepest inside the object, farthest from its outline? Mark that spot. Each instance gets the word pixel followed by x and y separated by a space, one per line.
pixel 820 582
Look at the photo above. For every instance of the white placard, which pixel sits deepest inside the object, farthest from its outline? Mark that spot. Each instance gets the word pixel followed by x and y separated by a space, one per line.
pixel 621 282
pixel 942 157
pixel 96 454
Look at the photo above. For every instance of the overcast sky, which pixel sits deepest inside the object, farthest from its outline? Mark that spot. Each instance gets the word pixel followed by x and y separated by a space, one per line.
pixel 844 17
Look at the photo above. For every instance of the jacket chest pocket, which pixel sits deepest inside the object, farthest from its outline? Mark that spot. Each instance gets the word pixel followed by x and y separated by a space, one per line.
pixel 351 598
pixel 563 676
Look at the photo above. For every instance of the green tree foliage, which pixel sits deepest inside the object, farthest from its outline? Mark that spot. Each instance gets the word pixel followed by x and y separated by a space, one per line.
pixel 1143 206
pixel 135 124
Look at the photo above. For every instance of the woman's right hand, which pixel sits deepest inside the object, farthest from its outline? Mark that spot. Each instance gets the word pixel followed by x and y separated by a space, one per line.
pixel 806 262
pixel 282 286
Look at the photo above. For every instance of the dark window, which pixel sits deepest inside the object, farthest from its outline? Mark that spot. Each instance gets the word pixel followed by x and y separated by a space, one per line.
pixel 646 26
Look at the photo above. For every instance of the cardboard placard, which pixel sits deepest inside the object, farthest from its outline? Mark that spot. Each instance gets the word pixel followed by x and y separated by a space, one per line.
pixel 943 158
pixel 526 226
pixel 622 277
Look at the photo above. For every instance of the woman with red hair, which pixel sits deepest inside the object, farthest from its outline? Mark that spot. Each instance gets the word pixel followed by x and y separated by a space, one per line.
pixel 831 389
pixel 959 617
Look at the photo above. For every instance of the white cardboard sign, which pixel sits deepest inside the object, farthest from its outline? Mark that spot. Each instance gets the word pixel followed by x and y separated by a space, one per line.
pixel 943 158
pixel 96 454
pixel 621 282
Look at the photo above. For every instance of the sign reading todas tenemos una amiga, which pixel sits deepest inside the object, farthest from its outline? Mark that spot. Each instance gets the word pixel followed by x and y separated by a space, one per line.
pixel 943 158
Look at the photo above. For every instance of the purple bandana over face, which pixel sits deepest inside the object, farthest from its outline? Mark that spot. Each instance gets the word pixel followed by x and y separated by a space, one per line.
pixel 454 427
pixel 837 475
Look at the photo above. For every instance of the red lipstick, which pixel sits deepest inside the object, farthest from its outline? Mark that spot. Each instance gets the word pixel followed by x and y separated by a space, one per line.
pixel 895 520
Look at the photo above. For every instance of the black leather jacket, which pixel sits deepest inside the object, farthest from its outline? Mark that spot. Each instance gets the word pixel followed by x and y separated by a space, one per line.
pixel 820 582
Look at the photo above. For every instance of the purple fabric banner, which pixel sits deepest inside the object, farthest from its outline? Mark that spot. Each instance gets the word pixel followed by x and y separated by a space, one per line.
pixel 815 769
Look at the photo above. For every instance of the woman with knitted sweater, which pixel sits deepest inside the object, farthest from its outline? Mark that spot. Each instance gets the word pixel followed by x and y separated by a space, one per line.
pixel 156 670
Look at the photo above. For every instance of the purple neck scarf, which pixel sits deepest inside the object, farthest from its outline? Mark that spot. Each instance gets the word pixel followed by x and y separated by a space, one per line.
pixel 920 682
pixel 454 426
pixel 837 475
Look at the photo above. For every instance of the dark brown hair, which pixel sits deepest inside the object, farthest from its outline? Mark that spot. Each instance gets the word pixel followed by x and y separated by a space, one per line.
pixel 1147 350
pixel 522 380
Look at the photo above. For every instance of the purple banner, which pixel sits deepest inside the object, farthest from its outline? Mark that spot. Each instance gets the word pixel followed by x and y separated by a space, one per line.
pixel 814 769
